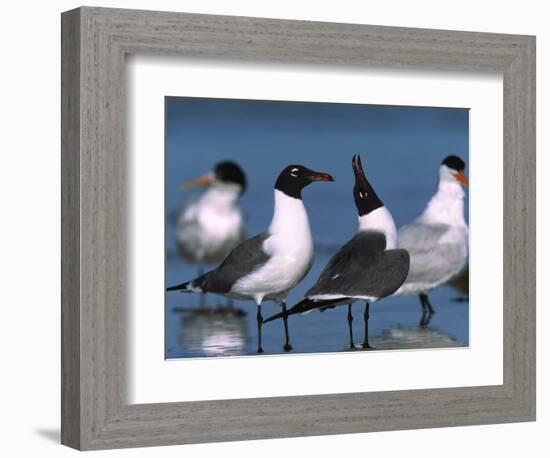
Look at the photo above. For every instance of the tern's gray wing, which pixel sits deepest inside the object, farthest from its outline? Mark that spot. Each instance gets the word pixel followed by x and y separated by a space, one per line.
pixel 420 238
pixel 242 260
pixel 432 259
pixel 363 268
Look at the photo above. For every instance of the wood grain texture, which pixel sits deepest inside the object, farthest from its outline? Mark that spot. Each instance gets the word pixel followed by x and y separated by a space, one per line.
pixel 96 413
pixel 70 229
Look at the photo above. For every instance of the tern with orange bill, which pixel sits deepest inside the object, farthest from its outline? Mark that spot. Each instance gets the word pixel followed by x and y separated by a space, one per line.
pixel 437 240
pixel 268 265
pixel 209 227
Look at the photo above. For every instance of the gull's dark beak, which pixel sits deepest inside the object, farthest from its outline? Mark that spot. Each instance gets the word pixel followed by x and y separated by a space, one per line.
pixel 319 176
pixel 461 178
pixel 205 180
pixel 360 179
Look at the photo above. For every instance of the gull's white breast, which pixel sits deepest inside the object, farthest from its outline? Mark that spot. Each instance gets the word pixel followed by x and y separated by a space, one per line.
pixel 290 251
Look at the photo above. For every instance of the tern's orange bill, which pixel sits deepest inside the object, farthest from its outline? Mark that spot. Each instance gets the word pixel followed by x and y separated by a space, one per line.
pixel 461 178
pixel 201 181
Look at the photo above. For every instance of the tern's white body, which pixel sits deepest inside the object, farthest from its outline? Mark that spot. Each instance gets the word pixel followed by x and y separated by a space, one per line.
pixel 290 250
pixel 209 228
pixel 437 240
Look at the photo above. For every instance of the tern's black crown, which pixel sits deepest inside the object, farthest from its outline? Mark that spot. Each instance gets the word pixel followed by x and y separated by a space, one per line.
pixel 454 162
pixel 230 172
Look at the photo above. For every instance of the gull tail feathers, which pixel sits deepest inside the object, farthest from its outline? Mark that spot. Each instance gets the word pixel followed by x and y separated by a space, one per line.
pixel 302 307
pixel 193 286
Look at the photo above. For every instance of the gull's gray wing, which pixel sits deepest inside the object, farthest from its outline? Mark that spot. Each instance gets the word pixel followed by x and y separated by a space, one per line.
pixel 242 260
pixel 369 243
pixel 363 267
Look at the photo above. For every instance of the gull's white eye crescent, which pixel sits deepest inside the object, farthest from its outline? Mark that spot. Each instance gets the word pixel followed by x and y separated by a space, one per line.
pixel 362 194
pixel 294 172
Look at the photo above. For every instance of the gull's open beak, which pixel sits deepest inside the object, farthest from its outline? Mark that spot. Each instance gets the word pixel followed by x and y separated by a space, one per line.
pixel 461 178
pixel 320 176
pixel 205 180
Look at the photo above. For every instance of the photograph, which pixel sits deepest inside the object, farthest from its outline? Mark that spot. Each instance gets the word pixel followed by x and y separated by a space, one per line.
pixel 310 227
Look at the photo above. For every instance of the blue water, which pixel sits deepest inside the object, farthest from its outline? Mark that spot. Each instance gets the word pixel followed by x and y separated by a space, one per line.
pixel 401 149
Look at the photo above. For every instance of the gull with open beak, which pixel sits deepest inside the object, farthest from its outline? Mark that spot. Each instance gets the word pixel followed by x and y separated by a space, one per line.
pixel 437 240
pixel 269 265
pixel 211 226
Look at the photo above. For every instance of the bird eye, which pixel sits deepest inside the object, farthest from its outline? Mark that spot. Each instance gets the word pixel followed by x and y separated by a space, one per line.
pixel 295 172
pixel 362 194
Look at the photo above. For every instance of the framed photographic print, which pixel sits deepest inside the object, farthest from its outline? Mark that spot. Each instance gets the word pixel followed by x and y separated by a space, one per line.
pixel 285 228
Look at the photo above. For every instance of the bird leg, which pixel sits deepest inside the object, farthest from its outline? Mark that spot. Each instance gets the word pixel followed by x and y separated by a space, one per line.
pixel 426 306
pixel 366 317
pixel 350 324
pixel 422 303
pixel 425 319
pixel 427 311
pixel 287 347
pixel 430 308
pixel 260 320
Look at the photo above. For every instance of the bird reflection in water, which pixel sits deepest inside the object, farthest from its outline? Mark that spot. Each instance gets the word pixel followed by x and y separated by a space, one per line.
pixel 410 337
pixel 213 332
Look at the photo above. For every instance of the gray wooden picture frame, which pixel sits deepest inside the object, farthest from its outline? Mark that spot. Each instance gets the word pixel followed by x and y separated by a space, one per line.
pixel 95 412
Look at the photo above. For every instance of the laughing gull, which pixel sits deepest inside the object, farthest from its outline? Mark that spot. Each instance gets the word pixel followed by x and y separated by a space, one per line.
pixel 210 227
pixel 269 265
pixel 368 267
pixel 437 240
